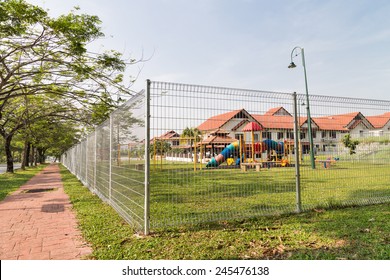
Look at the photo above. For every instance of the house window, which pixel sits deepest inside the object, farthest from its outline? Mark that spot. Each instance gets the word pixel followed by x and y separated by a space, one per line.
pixel 175 143
pixel 280 135
pixel 361 133
pixel 267 135
pixel 238 136
pixel 323 134
pixel 290 135
pixel 256 137
pixel 303 135
pixel 333 134
pixel 314 133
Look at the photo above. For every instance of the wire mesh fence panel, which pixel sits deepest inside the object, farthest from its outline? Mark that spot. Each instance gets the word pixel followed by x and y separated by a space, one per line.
pixel 351 152
pixel 82 153
pixel 219 154
pixel 213 154
pixel 78 162
pixel 103 150
pixel 128 160
pixel 91 161
pixel 66 159
pixel 111 161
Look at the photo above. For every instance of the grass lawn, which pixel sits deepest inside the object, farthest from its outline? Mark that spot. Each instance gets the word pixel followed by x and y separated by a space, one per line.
pixel 180 195
pixel 11 182
pixel 345 233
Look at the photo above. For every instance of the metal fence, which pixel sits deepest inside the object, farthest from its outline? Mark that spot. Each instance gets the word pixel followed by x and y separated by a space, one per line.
pixel 113 170
pixel 181 154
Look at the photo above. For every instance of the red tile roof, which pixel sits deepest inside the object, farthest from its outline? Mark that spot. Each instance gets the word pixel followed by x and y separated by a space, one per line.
pixel 217 140
pixel 275 122
pixel 169 135
pixel 380 120
pixel 343 122
pixel 271 120
pixel 268 120
pixel 217 121
pixel 274 111
pixel 219 131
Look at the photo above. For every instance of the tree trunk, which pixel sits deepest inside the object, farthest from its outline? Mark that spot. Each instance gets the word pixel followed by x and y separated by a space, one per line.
pixel 25 155
pixel 41 155
pixel 31 157
pixel 28 154
pixel 34 156
pixel 8 152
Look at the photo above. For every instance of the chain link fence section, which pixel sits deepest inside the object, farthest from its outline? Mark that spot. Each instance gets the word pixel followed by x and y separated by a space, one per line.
pixel 111 161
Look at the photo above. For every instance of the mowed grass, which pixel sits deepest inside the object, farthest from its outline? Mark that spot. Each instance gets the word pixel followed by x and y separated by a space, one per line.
pixel 180 195
pixel 346 233
pixel 10 182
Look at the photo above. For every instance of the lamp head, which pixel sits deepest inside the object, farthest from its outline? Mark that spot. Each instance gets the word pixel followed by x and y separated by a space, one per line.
pixel 292 65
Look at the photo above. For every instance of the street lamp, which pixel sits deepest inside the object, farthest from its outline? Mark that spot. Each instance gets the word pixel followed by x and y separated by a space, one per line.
pixel 292 65
pixel 299 129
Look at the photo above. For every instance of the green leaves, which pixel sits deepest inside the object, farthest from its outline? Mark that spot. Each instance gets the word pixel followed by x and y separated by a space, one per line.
pixel 112 60
pixel 77 30
pixel 16 16
pixel 349 143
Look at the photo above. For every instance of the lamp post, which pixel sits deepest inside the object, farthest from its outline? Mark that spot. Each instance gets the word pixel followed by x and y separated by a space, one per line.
pixel 299 129
pixel 292 65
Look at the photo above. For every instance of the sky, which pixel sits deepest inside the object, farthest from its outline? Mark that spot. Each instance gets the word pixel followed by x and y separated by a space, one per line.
pixel 247 44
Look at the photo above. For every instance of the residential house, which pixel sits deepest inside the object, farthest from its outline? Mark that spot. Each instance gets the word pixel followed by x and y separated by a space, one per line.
pixel 171 137
pixel 381 124
pixel 278 124
pixel 331 129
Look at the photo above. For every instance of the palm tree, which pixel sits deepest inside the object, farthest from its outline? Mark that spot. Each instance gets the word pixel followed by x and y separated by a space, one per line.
pixel 192 134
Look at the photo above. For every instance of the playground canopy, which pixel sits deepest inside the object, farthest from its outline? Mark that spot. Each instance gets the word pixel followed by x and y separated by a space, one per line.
pixel 252 126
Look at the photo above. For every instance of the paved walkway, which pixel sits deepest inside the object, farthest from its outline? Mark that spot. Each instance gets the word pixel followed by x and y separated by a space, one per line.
pixel 37 223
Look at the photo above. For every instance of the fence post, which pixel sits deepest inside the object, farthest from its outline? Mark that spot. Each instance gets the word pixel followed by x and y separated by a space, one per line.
pixel 95 171
pixel 86 162
pixel 296 152
pixel 110 164
pixel 147 161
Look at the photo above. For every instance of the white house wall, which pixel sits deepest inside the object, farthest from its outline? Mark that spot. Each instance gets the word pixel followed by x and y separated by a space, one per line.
pixel 384 131
pixel 359 131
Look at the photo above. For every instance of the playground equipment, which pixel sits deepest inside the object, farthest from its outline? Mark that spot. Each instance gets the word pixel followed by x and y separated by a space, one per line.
pixel 252 127
pixel 269 145
pixel 224 155
pixel 327 162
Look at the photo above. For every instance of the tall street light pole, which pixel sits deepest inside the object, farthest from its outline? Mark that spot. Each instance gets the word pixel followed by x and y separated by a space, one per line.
pixel 292 65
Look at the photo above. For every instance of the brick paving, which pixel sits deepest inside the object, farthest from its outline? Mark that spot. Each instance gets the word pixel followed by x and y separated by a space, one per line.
pixel 37 222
